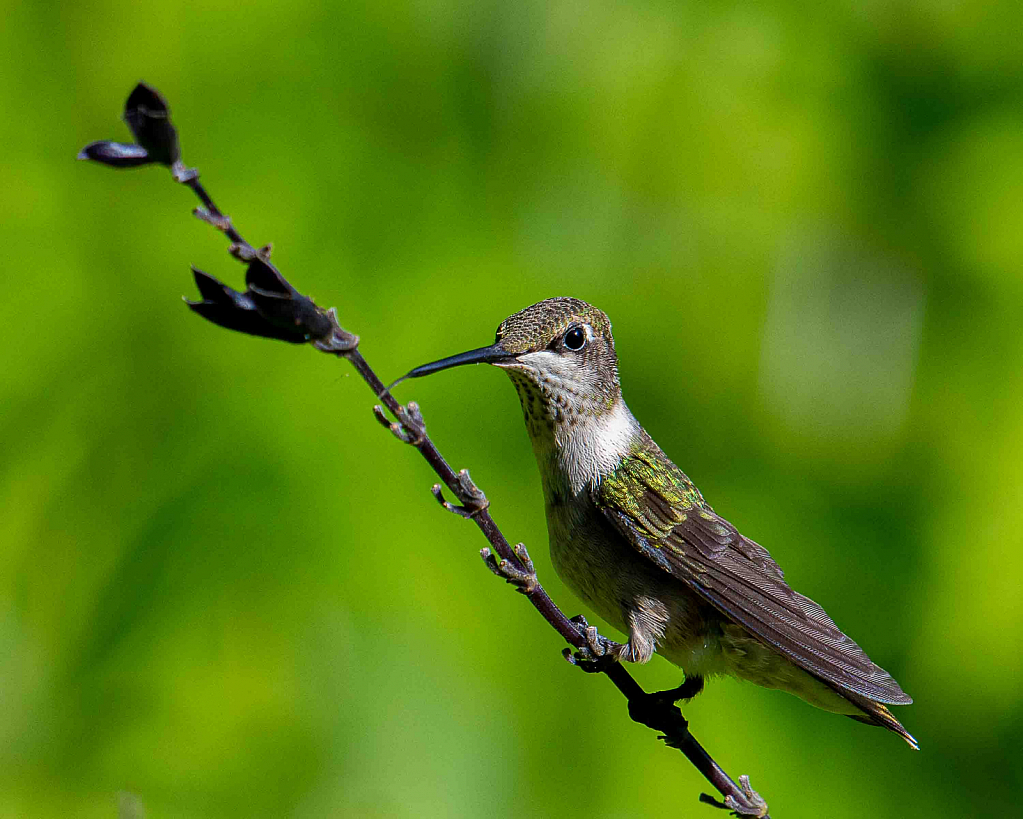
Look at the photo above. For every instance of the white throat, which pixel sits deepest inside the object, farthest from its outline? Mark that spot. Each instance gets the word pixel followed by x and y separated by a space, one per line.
pixel 593 447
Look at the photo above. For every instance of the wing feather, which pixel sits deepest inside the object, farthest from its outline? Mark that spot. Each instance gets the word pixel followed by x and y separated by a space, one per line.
pixel 659 511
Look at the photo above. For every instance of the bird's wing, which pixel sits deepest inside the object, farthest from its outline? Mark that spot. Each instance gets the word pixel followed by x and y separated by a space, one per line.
pixel 659 511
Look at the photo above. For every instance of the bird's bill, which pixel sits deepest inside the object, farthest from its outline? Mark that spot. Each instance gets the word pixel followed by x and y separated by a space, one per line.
pixel 494 354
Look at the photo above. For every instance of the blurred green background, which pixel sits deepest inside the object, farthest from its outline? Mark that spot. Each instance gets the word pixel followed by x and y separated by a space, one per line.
pixel 225 590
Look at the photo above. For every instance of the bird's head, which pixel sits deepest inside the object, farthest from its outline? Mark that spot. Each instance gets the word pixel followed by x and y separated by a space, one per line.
pixel 560 355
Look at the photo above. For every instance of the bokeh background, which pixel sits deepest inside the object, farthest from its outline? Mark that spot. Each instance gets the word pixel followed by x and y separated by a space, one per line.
pixel 226 591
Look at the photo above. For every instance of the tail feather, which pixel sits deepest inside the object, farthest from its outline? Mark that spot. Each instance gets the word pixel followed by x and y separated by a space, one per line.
pixel 874 713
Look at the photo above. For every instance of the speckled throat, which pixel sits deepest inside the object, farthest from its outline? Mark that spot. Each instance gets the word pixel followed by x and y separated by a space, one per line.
pixel 578 435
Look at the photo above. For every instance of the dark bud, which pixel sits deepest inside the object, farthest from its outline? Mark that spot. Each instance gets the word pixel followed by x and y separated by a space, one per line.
pixel 149 120
pixel 115 154
pixel 148 117
pixel 270 307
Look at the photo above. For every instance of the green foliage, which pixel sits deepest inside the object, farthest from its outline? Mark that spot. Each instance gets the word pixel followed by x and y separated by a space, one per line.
pixel 225 590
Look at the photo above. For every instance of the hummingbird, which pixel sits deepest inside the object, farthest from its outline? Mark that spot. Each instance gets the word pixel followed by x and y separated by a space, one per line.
pixel 633 537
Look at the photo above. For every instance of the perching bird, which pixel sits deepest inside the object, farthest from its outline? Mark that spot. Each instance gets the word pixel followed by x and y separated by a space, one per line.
pixel 634 538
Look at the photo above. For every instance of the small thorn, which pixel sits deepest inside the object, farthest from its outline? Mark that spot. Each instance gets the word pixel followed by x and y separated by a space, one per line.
pixel 490 560
pixel 473 496
pixel 416 414
pixel 219 221
pixel 412 421
pixel 524 579
pixel 406 429
pixel 182 174
pixel 523 556
pixel 754 806
pixel 474 499
pixel 438 493
pixel 378 413
pixel 461 511
pixel 399 432
pixel 243 252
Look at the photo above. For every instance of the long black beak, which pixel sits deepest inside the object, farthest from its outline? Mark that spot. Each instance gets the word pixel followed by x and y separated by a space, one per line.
pixel 482 355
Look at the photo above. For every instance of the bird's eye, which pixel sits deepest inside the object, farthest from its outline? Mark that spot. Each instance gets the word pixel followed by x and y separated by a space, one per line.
pixel 575 339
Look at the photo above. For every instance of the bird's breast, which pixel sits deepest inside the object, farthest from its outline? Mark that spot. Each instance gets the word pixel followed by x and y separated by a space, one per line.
pixel 587 556
pixel 625 588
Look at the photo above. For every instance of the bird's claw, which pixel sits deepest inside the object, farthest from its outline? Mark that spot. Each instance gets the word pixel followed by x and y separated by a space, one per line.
pixel 410 428
pixel 756 806
pixel 598 653
pixel 523 579
pixel 472 497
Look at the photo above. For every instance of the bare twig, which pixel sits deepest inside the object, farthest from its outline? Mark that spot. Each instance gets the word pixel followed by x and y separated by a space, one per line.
pixel 271 307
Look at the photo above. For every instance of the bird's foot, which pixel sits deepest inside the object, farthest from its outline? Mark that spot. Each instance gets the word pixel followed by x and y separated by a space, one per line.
pixel 523 579
pixel 755 804
pixel 598 653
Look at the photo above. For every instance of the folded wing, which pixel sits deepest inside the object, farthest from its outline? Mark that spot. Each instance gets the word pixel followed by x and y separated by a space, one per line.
pixel 659 511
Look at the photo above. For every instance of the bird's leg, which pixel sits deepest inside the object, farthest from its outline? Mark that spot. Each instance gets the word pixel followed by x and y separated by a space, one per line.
pixel 599 651
pixel 652 709
pixel 691 686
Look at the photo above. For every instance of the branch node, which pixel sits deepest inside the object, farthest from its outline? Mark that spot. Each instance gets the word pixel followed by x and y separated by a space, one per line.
pixel 218 220
pixel 381 416
pixel 470 494
pixel 411 426
pixel 245 253
pixel 472 497
pixel 340 341
pixel 415 415
pixel 523 579
pixel 756 806
pixel 182 174
pixel 407 432
pixel 438 493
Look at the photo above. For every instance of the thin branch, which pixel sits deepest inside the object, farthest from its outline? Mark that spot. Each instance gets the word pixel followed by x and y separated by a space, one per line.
pixel 271 307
